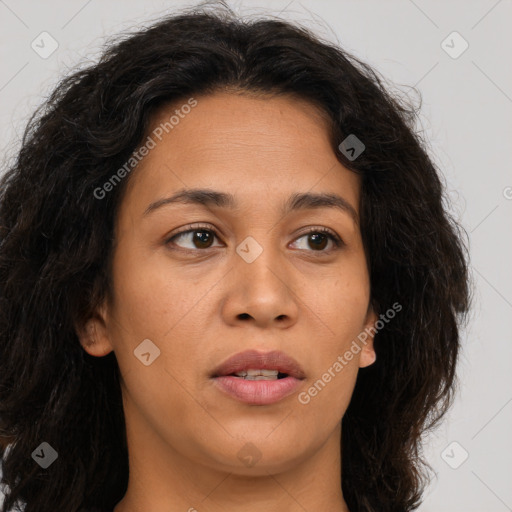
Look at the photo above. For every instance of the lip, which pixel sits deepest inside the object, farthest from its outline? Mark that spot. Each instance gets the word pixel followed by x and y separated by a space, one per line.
pixel 258 392
pixel 275 360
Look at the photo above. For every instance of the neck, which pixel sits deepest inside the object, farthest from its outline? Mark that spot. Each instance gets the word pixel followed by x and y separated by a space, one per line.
pixel 163 480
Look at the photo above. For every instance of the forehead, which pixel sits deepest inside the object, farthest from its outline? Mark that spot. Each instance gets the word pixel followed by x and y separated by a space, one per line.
pixel 255 147
pixel 243 124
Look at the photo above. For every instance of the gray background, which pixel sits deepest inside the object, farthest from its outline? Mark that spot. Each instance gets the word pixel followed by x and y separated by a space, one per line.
pixel 466 115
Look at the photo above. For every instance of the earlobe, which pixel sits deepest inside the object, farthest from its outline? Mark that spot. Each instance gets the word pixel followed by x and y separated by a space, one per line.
pixel 368 355
pixel 94 337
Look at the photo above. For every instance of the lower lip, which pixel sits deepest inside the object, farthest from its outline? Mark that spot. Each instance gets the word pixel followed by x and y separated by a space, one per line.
pixel 257 392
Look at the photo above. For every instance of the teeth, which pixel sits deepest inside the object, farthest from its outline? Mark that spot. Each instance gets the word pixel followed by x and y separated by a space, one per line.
pixel 260 377
pixel 258 374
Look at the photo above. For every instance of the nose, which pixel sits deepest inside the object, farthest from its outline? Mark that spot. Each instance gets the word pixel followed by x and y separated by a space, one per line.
pixel 260 290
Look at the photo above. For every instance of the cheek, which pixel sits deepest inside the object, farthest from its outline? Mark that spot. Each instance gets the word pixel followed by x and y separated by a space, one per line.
pixel 341 303
pixel 154 301
pixel 341 313
pixel 148 297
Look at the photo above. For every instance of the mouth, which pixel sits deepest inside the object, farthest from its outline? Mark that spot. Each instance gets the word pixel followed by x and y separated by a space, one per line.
pixel 258 378
pixel 261 374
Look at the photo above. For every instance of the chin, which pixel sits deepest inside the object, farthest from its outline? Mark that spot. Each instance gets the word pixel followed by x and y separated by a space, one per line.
pixel 258 456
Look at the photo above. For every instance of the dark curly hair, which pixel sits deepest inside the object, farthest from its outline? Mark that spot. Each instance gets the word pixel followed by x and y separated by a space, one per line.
pixel 56 242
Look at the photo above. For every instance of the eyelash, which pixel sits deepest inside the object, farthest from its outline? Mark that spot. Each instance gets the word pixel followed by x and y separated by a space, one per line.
pixel 337 241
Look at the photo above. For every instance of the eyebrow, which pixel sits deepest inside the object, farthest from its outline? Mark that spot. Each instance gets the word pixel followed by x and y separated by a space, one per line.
pixel 296 202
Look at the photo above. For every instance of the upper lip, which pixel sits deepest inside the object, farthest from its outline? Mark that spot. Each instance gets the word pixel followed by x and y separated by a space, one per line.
pixel 252 359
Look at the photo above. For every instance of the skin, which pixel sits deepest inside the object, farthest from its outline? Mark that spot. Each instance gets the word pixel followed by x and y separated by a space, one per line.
pixel 202 305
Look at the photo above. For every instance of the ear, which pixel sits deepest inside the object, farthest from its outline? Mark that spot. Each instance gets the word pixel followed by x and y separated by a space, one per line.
pixel 93 335
pixel 368 356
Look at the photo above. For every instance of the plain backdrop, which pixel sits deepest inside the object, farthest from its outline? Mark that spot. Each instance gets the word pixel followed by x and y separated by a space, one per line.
pixel 467 116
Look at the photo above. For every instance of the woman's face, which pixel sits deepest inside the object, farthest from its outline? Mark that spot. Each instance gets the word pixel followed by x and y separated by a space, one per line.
pixel 249 277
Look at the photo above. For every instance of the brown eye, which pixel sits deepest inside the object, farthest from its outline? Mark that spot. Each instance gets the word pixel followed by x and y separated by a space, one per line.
pixel 203 238
pixel 319 238
pixel 199 238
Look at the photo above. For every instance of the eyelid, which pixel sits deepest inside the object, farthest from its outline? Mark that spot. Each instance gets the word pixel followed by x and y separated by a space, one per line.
pixel 335 238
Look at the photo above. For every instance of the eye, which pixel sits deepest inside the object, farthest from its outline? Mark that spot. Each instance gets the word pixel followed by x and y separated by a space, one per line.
pixel 319 237
pixel 201 238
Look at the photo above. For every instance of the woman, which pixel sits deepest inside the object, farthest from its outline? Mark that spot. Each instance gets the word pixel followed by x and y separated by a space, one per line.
pixel 227 281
